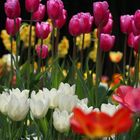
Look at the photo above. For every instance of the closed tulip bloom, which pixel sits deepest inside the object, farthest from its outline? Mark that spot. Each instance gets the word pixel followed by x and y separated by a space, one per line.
pixel 61 20
pixel 12 8
pixel 126 23
pixel 107 42
pixel 12 27
pixel 137 19
pixel 43 29
pixel 54 8
pixel 136 43
pixel 31 5
pixel 115 57
pixel 39 104
pixel 101 13
pixel 75 26
pixel 40 13
pixel 42 51
pixel 135 30
pixel 130 40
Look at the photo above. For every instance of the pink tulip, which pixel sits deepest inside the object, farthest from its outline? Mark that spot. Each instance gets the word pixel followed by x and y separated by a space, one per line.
pixel 43 29
pixel 101 13
pixel 126 23
pixel 136 43
pixel 40 13
pixel 42 51
pixel 130 40
pixel 12 8
pixel 54 9
pixel 106 42
pixel 134 29
pixel 128 97
pixel 75 26
pixel 31 5
pixel 12 27
pixel 61 20
pixel 137 19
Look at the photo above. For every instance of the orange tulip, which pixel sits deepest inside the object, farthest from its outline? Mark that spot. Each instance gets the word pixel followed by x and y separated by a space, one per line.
pixel 99 124
pixel 115 57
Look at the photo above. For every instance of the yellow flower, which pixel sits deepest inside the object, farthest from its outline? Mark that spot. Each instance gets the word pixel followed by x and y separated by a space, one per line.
pixel 115 57
pixel 87 41
pixel 63 47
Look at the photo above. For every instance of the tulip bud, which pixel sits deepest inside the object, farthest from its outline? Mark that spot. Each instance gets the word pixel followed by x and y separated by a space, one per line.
pixel 130 40
pixel 40 13
pixel 12 8
pixel 43 29
pixel 126 23
pixel 106 42
pixel 39 104
pixel 137 19
pixel 134 29
pixel 101 13
pixel 31 5
pixel 54 9
pixel 42 51
pixel 136 43
pixel 12 27
pixel 61 20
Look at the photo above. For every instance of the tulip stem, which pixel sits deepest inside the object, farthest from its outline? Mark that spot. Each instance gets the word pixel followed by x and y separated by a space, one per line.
pixel 74 48
pixel 82 48
pixel 53 39
pixel 56 42
pixel 40 56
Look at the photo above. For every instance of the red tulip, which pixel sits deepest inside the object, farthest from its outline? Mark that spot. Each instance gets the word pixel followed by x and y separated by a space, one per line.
pixel 61 20
pixel 128 97
pixel 31 5
pixel 137 19
pixel 54 9
pixel 40 13
pixel 12 8
pixel 101 13
pixel 42 51
pixel 126 23
pixel 75 26
pixel 12 27
pixel 106 42
pixel 99 124
pixel 43 29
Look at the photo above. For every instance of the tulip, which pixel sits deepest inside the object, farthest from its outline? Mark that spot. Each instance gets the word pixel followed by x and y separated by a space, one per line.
pixel 75 26
pixel 43 29
pixel 115 57
pixel 101 13
pixel 99 124
pixel 18 105
pixel 39 104
pixel 54 9
pixel 61 120
pixel 42 51
pixel 106 42
pixel 31 5
pixel 61 20
pixel 134 29
pixel 128 97
pixel 12 8
pixel 126 23
pixel 12 27
pixel 136 43
pixel 130 40
pixel 137 19
pixel 40 13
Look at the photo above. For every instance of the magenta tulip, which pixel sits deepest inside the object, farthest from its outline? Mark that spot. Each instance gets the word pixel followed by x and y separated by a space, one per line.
pixel 136 43
pixel 126 23
pixel 101 13
pixel 12 8
pixel 43 29
pixel 54 9
pixel 31 5
pixel 12 27
pixel 130 40
pixel 42 52
pixel 61 20
pixel 134 29
pixel 40 13
pixel 128 97
pixel 137 19
pixel 106 42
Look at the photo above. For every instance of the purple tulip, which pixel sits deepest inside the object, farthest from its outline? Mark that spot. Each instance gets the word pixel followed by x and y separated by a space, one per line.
pixel 42 52
pixel 43 29
pixel 12 8
pixel 31 5
pixel 40 13
pixel 12 27
pixel 106 42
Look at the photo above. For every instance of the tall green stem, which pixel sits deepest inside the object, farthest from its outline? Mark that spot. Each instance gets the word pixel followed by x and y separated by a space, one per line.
pixel 82 48
pixel 124 56
pixel 56 42
pixel 53 39
pixel 74 48
pixel 12 69
pixel 39 60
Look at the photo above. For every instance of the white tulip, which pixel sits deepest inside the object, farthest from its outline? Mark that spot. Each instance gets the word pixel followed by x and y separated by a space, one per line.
pixel 61 120
pixel 18 105
pixel 39 104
